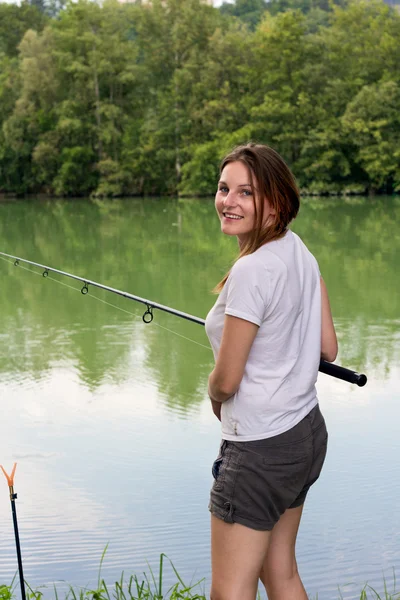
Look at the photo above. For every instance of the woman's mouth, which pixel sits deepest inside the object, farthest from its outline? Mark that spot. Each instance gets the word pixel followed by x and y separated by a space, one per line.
pixel 231 216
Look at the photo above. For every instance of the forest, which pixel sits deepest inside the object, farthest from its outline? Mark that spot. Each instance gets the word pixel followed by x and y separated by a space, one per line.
pixel 144 98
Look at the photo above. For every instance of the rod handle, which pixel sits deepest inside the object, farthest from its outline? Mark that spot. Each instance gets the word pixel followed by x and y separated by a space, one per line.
pixel 342 373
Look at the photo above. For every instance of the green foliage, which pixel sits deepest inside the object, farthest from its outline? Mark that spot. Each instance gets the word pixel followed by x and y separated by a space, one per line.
pixel 6 592
pixel 120 99
pixel 372 122
pixel 248 11
pixel 15 20
pixel 150 587
pixel 310 7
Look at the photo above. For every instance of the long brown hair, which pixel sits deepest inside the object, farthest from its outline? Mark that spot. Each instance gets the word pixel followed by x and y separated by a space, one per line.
pixel 271 179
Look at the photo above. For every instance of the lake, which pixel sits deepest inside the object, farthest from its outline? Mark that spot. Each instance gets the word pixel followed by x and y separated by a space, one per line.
pixel 108 417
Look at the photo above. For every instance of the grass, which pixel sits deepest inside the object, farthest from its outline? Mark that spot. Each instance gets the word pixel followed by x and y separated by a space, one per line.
pixel 151 587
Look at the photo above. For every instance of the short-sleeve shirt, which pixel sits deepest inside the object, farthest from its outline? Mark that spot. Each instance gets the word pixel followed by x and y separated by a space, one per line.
pixel 278 288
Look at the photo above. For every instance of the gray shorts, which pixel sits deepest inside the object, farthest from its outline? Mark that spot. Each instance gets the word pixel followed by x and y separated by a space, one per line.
pixel 255 482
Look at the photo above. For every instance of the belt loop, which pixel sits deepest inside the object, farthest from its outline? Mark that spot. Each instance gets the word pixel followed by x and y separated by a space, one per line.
pixel 228 518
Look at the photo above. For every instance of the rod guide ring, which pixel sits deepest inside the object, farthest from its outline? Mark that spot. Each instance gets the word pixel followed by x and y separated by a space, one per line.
pixel 148 315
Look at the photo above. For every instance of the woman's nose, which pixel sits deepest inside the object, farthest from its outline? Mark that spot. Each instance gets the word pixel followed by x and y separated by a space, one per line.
pixel 229 199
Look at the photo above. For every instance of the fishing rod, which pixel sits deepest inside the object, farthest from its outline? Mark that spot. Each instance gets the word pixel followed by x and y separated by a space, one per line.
pixel 13 497
pixel 324 367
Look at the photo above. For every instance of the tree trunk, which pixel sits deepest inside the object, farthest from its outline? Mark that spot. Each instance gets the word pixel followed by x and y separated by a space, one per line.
pixel 178 165
pixel 97 103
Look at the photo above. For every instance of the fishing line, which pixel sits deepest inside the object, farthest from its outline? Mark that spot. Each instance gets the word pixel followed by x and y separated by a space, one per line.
pixel 324 367
pixel 108 304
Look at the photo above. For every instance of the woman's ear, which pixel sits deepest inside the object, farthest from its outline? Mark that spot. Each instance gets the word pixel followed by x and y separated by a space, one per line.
pixel 269 212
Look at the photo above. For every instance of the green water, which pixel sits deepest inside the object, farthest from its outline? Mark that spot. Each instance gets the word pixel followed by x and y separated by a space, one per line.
pixel 89 392
pixel 171 252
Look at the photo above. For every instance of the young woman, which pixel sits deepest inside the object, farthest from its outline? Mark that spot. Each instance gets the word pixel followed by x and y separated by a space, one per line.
pixel 269 328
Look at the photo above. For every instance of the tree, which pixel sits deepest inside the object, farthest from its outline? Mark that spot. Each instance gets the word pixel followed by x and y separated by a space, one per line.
pixel 248 11
pixel 15 20
pixel 33 113
pixel 307 7
pixel 360 46
pixel 77 83
pixel 9 175
pixel 144 98
pixel 224 88
pixel 97 68
pixel 372 123
pixel 173 37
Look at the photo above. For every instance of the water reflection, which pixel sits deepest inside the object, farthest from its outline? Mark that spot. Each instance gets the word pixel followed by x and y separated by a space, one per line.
pixel 171 251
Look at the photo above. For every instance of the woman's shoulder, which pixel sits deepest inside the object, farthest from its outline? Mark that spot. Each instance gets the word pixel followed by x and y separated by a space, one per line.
pixel 258 264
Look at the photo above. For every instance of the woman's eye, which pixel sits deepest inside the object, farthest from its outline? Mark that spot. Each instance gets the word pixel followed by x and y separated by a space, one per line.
pixel 223 189
pixel 247 192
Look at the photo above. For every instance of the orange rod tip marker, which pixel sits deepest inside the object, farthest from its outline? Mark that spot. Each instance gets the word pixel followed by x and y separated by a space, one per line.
pixel 13 497
pixel 10 478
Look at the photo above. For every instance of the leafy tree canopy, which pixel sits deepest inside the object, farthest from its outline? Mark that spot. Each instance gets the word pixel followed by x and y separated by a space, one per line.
pixel 145 98
pixel 15 20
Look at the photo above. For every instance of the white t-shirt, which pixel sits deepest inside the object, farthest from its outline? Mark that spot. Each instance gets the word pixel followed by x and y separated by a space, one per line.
pixel 277 288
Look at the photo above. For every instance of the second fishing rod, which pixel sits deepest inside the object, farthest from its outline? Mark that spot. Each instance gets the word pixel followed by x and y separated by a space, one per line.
pixel 331 369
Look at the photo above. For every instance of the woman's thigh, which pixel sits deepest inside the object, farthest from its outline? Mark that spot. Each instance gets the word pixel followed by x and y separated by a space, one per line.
pixel 280 561
pixel 237 555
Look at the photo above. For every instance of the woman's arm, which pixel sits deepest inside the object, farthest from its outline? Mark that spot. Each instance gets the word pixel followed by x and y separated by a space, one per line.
pixel 237 338
pixel 329 345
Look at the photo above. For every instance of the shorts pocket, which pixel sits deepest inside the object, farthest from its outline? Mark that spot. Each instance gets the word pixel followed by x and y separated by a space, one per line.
pixel 216 467
pixel 289 455
pixel 285 454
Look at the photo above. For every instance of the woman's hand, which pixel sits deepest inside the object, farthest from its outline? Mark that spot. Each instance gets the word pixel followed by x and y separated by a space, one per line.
pixel 329 345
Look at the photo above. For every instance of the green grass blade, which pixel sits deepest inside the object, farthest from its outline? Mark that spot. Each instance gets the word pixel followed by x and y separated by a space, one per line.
pixel 101 565
pixel 160 577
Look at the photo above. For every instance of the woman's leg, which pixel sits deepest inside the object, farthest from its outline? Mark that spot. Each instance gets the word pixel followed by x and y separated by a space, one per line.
pixel 237 556
pixel 279 571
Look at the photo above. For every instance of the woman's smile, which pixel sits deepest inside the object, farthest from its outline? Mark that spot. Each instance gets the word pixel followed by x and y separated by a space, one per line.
pixel 231 216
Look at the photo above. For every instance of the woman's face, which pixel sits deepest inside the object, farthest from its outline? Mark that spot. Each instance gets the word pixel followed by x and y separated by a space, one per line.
pixel 235 203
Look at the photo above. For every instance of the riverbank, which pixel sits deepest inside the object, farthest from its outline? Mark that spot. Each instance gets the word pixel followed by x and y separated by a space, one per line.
pixel 151 586
pixel 134 588
pixel 10 197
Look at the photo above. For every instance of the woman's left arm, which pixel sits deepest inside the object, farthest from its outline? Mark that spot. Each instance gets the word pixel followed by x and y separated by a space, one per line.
pixel 237 338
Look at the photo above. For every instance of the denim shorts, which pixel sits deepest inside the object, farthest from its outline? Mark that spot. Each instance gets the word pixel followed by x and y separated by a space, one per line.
pixel 256 482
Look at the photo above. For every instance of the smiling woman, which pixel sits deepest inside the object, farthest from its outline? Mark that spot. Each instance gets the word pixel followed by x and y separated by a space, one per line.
pixel 257 197
pixel 268 330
